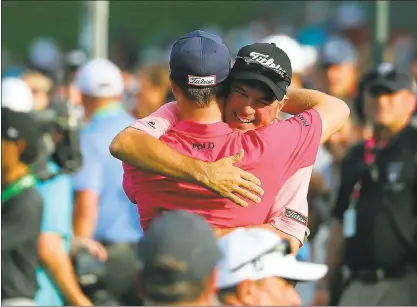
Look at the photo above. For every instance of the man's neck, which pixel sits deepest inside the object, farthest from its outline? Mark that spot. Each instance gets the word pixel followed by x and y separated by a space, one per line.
pixel 99 104
pixel 383 134
pixel 202 115
pixel 9 176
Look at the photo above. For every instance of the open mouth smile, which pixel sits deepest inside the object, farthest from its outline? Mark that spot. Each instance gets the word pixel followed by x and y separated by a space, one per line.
pixel 244 121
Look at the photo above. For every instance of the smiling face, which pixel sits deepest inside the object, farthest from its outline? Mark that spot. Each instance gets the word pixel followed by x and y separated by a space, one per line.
pixel 250 105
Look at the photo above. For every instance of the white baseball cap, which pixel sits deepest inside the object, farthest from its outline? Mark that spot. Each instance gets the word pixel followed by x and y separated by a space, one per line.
pixel 299 56
pixel 100 78
pixel 16 95
pixel 256 253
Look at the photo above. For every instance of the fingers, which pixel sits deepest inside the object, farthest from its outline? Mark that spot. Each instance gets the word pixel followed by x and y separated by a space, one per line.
pixel 237 200
pixel 252 178
pixel 237 157
pixel 247 194
pixel 251 187
pixel 97 250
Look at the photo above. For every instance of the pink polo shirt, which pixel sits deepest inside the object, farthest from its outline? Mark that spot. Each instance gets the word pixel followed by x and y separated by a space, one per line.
pixel 274 154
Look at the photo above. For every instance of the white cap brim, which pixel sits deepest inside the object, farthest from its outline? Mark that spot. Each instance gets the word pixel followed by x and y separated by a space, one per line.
pixel 292 269
pixel 273 265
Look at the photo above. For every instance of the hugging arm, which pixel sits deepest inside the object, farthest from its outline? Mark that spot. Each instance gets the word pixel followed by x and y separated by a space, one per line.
pixel 139 146
pixel 289 213
pixel 333 112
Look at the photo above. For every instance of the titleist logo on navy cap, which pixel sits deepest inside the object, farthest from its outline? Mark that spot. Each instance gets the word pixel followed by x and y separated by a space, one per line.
pixel 266 61
pixel 201 81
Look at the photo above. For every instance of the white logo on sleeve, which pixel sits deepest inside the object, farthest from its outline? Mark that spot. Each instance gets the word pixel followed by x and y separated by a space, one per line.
pixel 201 81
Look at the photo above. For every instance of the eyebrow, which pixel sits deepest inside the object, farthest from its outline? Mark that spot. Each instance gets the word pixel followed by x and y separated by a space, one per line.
pixel 263 100
pixel 241 89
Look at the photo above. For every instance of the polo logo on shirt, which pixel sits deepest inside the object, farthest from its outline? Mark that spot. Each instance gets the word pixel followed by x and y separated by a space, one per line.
pixel 303 120
pixel 203 146
pixel 294 215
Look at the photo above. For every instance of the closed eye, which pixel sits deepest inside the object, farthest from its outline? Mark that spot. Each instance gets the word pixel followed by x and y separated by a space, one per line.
pixel 241 92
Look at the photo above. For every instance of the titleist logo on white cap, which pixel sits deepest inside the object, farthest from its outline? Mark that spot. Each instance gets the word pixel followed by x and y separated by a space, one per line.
pixel 266 61
pixel 201 81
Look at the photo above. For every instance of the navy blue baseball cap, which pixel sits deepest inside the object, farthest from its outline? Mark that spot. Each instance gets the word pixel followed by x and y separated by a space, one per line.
pixel 199 59
pixel 179 246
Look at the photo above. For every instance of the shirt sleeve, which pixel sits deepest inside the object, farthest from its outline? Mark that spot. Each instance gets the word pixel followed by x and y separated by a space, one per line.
pixel 290 209
pixel 160 121
pixel 349 175
pixel 57 205
pixel 296 139
pixel 90 176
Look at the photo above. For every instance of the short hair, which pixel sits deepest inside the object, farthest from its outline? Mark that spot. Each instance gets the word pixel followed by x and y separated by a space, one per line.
pixel 160 283
pixel 203 96
pixel 258 85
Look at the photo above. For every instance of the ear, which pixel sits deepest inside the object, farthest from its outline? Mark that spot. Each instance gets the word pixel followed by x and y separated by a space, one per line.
pixel 281 104
pixel 175 90
pixel 21 146
pixel 211 283
pixel 409 100
pixel 245 292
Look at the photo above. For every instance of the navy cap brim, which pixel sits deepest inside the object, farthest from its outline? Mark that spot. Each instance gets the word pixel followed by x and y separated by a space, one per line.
pixel 277 88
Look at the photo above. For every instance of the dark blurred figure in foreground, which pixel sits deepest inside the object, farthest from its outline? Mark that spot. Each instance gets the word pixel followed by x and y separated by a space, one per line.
pixel 21 209
pixel 375 212
pixel 154 89
pixel 178 256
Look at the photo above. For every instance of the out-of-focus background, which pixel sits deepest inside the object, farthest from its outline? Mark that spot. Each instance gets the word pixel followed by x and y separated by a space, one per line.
pixel 56 37
pixel 331 45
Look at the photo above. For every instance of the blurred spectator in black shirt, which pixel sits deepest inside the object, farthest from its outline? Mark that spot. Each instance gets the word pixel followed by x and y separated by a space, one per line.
pixel 376 208
pixel 21 209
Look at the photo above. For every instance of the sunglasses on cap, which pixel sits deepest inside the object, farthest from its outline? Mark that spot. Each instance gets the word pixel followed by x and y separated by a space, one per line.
pixel 273 74
pixel 283 247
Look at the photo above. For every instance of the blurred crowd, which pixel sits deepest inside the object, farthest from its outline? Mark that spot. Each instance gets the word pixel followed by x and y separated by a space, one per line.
pixel 89 230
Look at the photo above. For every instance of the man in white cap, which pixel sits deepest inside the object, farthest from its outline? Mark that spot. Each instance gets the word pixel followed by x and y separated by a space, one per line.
pixel 102 211
pixel 257 269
